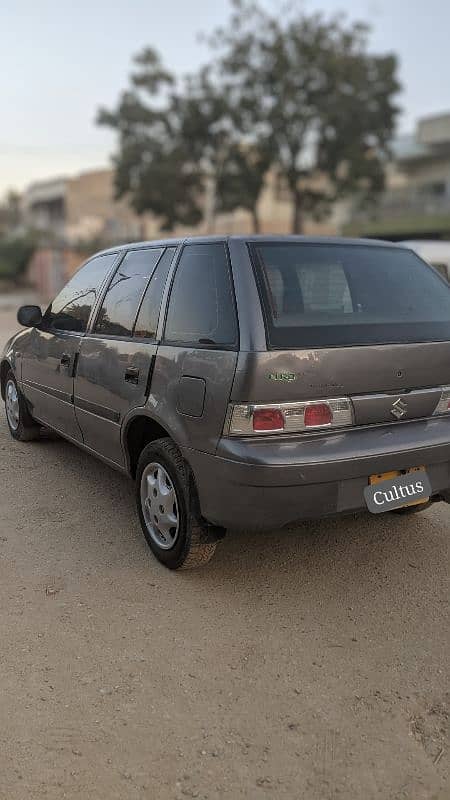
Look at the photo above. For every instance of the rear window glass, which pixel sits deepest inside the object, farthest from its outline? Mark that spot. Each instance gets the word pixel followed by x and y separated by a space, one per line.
pixel 328 295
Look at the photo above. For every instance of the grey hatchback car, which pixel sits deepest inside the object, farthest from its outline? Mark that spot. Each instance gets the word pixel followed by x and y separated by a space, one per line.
pixel 246 382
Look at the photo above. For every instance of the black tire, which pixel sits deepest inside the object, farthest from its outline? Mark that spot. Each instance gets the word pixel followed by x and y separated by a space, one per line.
pixel 194 546
pixel 27 429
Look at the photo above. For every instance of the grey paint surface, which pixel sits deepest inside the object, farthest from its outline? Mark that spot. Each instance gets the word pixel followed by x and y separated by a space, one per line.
pixel 106 389
pixel 216 369
pixel 191 396
pixel 266 482
pixel 331 372
pixel 47 378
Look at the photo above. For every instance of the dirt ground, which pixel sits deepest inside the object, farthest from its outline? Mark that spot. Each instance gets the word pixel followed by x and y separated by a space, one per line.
pixel 310 663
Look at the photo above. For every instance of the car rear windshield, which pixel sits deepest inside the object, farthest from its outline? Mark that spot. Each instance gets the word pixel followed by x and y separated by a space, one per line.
pixel 330 295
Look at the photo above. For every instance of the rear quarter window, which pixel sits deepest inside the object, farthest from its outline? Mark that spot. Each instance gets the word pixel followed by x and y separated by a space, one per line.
pixel 202 309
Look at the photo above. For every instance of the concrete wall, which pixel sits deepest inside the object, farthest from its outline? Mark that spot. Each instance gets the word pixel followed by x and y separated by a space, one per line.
pixel 92 210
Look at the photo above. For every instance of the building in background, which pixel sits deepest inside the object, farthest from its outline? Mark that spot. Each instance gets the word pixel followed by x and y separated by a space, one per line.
pixel 44 207
pixel 79 215
pixel 81 209
pixel 416 203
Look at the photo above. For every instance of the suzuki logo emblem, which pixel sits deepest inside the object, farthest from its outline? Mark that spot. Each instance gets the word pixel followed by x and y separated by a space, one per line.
pixel 399 408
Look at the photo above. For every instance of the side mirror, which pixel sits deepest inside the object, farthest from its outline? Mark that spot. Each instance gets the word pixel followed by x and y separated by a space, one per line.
pixel 29 316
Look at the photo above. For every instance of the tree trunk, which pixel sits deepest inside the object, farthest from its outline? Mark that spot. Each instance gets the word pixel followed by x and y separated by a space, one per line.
pixel 297 221
pixel 211 205
pixel 255 218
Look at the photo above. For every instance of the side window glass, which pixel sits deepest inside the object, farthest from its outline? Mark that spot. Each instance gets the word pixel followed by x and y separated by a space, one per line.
pixel 71 308
pixel 118 312
pixel 201 306
pixel 147 321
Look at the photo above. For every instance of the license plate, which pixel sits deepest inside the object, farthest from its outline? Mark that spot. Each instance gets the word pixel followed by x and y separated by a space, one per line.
pixel 390 490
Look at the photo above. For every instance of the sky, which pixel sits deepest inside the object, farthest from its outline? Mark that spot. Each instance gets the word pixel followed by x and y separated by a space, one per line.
pixel 60 60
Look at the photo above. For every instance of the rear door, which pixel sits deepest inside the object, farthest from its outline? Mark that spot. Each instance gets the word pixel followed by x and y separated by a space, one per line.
pixel 369 322
pixel 196 361
pixel 49 357
pixel 116 358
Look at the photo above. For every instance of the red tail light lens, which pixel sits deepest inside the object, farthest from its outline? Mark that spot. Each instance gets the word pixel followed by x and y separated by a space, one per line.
pixel 251 419
pixel 268 419
pixel 318 414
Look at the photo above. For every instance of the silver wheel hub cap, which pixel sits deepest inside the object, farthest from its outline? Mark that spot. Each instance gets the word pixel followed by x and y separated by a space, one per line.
pixel 12 405
pixel 159 506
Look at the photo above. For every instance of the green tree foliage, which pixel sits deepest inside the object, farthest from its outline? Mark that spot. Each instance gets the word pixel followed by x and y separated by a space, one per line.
pixel 10 213
pixel 295 92
pixel 15 253
pixel 233 163
pixel 309 88
pixel 153 164
pixel 182 152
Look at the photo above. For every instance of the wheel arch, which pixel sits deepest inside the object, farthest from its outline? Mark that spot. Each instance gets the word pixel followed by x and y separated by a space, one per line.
pixel 138 432
pixel 5 367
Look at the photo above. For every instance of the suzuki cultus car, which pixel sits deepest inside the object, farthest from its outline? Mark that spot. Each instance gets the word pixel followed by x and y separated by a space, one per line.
pixel 246 382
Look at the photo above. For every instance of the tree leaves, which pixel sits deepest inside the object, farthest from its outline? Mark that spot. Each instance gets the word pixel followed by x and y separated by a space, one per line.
pixel 298 93
pixel 325 102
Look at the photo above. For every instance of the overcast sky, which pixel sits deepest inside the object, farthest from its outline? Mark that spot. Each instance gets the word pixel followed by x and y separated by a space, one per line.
pixel 60 60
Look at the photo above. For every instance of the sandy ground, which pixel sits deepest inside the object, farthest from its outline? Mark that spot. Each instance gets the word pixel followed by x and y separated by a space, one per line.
pixel 303 664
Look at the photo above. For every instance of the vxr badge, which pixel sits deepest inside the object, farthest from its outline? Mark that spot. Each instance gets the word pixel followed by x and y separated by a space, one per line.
pixel 399 408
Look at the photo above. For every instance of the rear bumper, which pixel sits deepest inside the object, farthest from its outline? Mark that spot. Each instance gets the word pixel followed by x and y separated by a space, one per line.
pixel 268 483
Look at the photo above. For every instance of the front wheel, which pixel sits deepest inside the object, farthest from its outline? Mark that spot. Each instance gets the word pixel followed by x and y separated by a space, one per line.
pixel 20 423
pixel 167 509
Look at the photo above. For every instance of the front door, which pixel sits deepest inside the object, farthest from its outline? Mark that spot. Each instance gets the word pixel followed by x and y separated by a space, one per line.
pixel 116 359
pixel 49 358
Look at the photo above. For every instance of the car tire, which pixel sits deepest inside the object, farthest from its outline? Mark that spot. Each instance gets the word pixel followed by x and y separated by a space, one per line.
pixel 20 422
pixel 168 508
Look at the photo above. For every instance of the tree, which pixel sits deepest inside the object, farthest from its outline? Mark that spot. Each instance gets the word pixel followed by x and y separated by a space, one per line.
pixel 242 179
pixel 15 254
pixel 180 143
pixel 10 213
pixel 324 106
pixel 154 164
pixel 233 163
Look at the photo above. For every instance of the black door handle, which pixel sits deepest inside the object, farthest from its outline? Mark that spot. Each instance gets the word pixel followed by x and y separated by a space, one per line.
pixel 132 375
pixel 66 360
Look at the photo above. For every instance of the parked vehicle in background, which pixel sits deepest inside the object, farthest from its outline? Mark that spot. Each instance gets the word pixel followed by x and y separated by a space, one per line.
pixel 436 253
pixel 245 382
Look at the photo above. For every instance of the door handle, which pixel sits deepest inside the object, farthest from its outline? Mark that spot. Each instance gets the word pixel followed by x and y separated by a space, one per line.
pixel 66 360
pixel 132 375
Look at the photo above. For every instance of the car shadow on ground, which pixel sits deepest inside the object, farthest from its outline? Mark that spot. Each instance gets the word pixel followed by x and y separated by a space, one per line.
pixel 355 552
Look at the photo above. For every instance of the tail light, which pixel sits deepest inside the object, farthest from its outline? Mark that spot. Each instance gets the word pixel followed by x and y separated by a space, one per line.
pixel 268 419
pixel 248 419
pixel 317 414
pixel 443 406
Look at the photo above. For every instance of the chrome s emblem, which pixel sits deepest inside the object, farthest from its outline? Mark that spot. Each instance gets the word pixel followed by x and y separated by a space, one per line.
pixel 399 408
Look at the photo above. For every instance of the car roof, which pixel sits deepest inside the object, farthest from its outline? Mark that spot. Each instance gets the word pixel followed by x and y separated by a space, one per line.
pixel 272 238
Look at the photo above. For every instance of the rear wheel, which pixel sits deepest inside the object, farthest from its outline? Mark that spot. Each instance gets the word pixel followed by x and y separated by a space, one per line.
pixel 167 508
pixel 20 422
